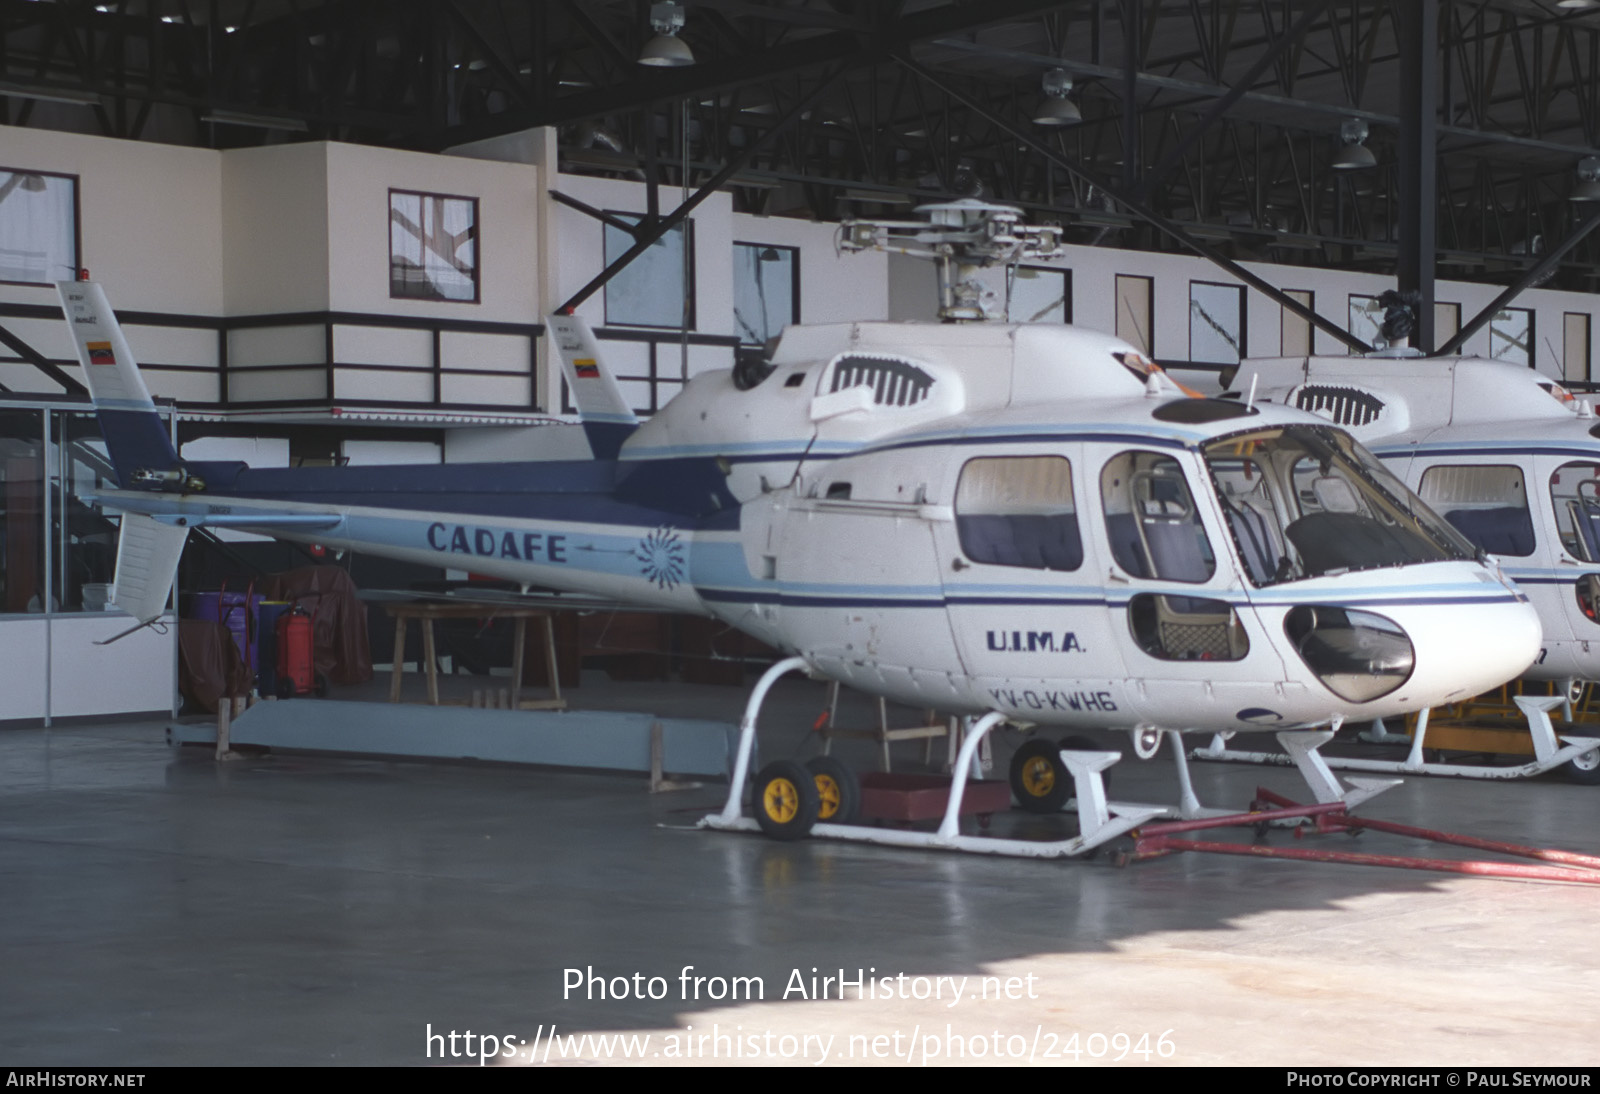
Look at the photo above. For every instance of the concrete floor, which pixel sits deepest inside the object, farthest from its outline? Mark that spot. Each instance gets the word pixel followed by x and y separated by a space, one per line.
pixel 159 908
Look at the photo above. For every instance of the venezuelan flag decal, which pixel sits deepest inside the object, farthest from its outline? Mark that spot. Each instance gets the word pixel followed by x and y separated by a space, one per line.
pixel 586 368
pixel 100 353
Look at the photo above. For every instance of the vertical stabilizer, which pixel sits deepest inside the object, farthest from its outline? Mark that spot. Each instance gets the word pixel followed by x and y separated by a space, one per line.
pixel 605 414
pixel 138 440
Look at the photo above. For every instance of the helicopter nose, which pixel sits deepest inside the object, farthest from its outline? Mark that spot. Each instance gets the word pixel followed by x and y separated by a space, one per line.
pixel 1464 650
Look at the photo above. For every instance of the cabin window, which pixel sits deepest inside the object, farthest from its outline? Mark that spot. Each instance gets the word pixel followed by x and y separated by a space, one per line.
pixel 1575 495
pixel 38 227
pixel 1151 518
pixel 1187 628
pixel 1216 323
pixel 433 247
pixel 1019 511
pixel 656 289
pixel 1488 505
pixel 766 290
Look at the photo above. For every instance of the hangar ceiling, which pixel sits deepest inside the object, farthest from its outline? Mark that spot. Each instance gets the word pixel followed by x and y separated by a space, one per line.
pixel 1220 118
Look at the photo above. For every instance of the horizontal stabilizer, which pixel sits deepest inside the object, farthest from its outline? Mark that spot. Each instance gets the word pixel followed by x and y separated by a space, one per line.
pixel 607 419
pixel 147 561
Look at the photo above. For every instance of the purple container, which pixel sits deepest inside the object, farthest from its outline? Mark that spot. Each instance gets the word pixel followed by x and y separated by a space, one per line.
pixel 238 612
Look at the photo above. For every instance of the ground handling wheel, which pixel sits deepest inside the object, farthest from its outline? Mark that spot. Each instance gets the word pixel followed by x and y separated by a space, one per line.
pixel 786 800
pixel 1039 781
pixel 1584 770
pixel 838 790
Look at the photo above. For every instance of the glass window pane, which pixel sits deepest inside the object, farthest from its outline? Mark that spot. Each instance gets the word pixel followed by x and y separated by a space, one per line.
pixel 1135 303
pixel 1575 347
pixel 38 227
pixel 1295 337
pixel 433 247
pixel 1511 336
pixel 1040 294
pixel 1151 518
pixel 1216 323
pixel 766 290
pixel 85 539
pixel 649 291
pixel 1366 319
pixel 1575 493
pixel 1019 512
pixel 1488 505
pixel 22 547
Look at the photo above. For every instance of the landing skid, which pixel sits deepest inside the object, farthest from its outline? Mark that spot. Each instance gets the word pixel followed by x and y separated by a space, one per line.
pixel 1301 750
pixel 1550 749
pixel 1099 821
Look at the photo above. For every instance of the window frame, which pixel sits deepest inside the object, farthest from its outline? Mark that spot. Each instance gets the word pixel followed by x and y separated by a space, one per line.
pixel 687 227
pixel 1149 349
pixel 77 221
pixel 794 289
pixel 477 246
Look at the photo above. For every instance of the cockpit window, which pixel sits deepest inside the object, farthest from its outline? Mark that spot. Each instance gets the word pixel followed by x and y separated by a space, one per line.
pixel 1304 501
pixel 1018 511
pixel 1575 494
pixel 1151 518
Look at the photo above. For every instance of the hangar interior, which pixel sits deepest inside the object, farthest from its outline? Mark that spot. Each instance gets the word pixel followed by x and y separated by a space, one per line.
pixel 334 231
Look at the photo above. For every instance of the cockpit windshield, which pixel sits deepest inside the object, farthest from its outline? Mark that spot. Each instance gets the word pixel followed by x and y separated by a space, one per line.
pixel 1307 501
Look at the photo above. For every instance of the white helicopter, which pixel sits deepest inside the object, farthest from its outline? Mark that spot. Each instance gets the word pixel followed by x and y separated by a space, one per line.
pixel 1025 523
pixel 1512 461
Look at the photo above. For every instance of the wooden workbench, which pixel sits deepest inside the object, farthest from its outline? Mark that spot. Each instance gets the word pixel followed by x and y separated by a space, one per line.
pixel 427 611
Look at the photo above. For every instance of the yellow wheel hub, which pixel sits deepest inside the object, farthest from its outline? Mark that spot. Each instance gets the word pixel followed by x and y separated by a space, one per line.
pixel 1039 777
pixel 781 800
pixel 828 792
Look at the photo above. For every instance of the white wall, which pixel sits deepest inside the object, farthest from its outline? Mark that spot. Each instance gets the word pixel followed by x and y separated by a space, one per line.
pixel 274 226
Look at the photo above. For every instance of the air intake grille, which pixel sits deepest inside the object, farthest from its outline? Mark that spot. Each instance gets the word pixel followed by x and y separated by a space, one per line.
pixel 894 382
pixel 1344 405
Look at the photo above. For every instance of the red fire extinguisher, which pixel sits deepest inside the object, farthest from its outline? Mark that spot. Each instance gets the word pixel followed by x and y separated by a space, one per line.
pixel 297 673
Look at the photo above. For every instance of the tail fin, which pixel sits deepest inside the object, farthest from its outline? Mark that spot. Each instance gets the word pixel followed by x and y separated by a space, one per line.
pixel 140 445
pixel 607 419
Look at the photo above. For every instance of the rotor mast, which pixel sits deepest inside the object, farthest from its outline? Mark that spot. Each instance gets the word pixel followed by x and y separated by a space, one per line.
pixel 960 238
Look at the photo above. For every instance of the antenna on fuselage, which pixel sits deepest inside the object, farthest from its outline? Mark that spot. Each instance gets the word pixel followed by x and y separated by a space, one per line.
pixel 960 238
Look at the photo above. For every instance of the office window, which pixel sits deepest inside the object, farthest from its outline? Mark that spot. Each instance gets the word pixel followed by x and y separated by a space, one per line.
pixel 1040 294
pixel 1136 312
pixel 766 290
pixel 1511 336
pixel 1216 323
pixel 1366 319
pixel 433 247
pixel 1446 322
pixel 649 291
pixel 38 226
pixel 1575 346
pixel 1295 340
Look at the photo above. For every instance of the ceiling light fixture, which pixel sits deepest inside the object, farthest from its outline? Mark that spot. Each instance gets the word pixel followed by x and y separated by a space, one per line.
pixel 1355 155
pixel 1056 110
pixel 1588 186
pixel 666 49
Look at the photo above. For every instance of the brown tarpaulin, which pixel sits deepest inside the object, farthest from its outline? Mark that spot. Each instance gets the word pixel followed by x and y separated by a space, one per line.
pixel 209 665
pixel 340 619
